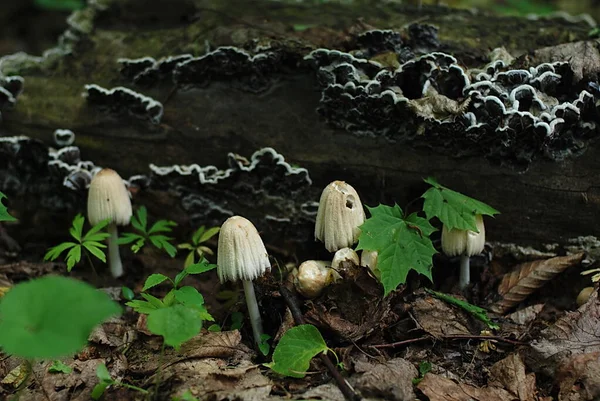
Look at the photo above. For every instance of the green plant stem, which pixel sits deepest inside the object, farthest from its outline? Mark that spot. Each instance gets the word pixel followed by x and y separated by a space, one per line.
pixel 131 387
pixel 114 258
pixel 253 311
pixel 465 272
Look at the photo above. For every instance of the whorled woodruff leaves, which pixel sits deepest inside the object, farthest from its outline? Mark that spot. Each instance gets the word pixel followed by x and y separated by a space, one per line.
pixel 454 209
pixel 402 244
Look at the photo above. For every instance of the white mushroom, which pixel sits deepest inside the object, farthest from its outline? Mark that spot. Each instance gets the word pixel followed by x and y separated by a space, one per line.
pixel 339 216
pixel 465 243
pixel 242 256
pixel 312 277
pixel 343 255
pixel 108 198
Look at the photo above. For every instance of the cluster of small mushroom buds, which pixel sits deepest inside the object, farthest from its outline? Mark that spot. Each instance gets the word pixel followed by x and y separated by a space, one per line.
pixel 339 217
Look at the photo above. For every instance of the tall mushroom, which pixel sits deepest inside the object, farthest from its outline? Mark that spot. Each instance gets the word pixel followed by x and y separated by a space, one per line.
pixel 241 255
pixel 339 216
pixel 465 243
pixel 108 198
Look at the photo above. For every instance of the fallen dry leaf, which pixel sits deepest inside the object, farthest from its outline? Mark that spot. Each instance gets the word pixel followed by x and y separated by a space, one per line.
pixel 509 373
pixel 573 334
pixel 578 378
pixel 583 57
pixel 526 278
pixel 438 318
pixel 526 315
pixel 390 381
pixel 438 388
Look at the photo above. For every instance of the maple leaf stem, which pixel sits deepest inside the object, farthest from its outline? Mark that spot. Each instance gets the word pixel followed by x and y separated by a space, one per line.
pixel 465 272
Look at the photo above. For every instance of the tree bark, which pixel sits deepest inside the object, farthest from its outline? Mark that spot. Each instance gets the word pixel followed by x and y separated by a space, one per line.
pixel 544 201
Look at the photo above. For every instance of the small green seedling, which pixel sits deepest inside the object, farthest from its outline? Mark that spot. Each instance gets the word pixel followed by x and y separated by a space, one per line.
pixel 186 396
pixel 297 347
pixel 178 315
pixel 475 311
pixel 154 235
pixel 4 215
pixel 424 368
pixel 59 367
pixel 106 381
pixel 197 247
pixel 51 317
pixel 90 243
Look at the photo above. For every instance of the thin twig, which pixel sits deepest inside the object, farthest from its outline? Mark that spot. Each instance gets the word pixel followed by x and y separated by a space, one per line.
pixel 455 337
pixel 292 303
pixel 398 343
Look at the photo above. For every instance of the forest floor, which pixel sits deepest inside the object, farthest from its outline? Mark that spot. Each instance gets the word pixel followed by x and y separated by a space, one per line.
pixel 409 345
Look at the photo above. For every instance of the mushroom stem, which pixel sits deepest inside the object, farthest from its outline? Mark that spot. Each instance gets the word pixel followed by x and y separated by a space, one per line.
pixel 114 258
pixel 253 311
pixel 465 272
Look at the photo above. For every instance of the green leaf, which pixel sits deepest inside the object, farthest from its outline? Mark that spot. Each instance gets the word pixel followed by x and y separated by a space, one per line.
pixel 176 324
pixel 477 312
pixel 237 320
pixel 94 250
pixel 189 260
pixel 128 238
pixel 196 236
pixel 95 237
pixel 55 251
pixel 153 280
pixel 127 293
pixel 162 242
pixel 208 234
pixel 201 267
pixel 214 328
pixel 59 367
pixel 51 317
pixel 99 390
pixel 77 227
pixel 140 220
pixel 105 381
pixel 454 209
pixel 295 350
pixel 169 299
pixel 189 296
pixel 143 307
pixel 179 278
pixel 162 226
pixel 73 257
pixel 153 300
pixel 4 215
pixel 263 345
pixel 95 231
pixel 402 244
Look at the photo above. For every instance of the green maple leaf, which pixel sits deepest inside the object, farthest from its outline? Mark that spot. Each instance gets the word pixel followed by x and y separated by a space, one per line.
pixel 4 215
pixel 454 209
pixel 402 244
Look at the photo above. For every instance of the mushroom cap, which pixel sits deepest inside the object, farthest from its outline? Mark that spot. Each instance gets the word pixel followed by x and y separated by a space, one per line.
pixel 108 198
pixel 241 252
pixel 342 255
pixel 312 277
pixel 339 216
pixel 464 242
